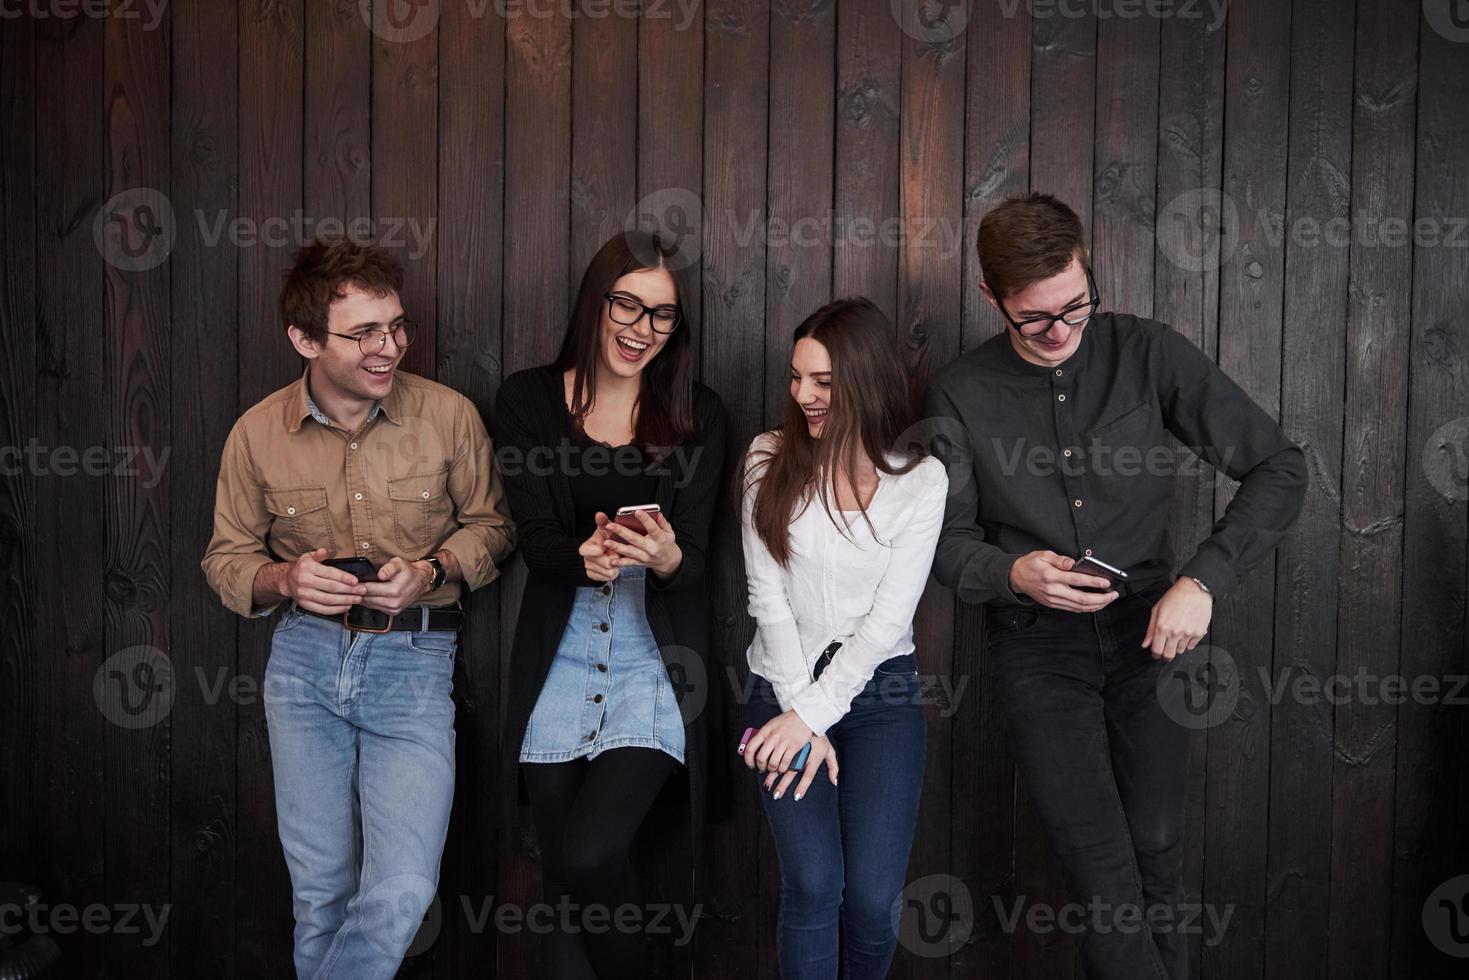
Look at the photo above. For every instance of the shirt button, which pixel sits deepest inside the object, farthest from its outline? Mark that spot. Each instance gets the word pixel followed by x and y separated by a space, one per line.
pixel 597 699
pixel 1060 398
pixel 425 495
pixel 602 668
pixel 365 546
pixel 357 495
pixel 290 510
pixel 592 736
pixel 1077 501
pixel 604 627
pixel 1088 552
pixel 354 445
pixel 1058 372
pixel 1066 452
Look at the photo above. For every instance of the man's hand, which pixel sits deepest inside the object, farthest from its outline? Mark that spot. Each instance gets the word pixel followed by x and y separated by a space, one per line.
pixel 776 743
pixel 399 585
pixel 595 556
pixel 1048 579
pixel 321 588
pixel 1180 620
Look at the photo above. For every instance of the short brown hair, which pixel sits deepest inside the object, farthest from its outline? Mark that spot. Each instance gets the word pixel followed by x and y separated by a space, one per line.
pixel 323 268
pixel 1026 239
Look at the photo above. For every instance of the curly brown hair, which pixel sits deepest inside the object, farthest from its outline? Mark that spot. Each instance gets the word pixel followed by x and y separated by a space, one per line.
pixel 321 271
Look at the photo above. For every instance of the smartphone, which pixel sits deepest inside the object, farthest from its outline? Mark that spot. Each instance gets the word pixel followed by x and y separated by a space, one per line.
pixel 1089 565
pixel 799 762
pixel 364 570
pixel 627 516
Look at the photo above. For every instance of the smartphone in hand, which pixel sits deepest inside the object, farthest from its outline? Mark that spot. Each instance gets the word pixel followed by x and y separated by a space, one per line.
pixel 364 570
pixel 628 516
pixel 1089 565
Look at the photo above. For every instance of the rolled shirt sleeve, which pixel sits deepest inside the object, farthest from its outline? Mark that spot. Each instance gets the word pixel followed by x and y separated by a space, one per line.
pixel 486 534
pixel 237 549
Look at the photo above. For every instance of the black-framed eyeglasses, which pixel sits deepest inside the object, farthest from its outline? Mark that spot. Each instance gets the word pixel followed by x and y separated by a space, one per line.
pixel 627 311
pixel 375 340
pixel 1072 316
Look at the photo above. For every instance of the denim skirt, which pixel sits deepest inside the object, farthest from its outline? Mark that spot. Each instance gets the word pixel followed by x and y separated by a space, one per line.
pixel 607 687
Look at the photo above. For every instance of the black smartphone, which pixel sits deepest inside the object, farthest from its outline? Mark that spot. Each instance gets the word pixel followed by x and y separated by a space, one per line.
pixel 365 570
pixel 1088 565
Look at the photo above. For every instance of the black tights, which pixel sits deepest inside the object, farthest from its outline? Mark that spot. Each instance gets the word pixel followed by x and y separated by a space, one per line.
pixel 586 813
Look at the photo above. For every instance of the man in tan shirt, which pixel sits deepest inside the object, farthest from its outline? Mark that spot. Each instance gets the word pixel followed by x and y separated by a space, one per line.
pixel 357 459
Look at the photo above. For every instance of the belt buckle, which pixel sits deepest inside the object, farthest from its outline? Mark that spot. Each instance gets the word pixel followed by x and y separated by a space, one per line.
pixel 346 624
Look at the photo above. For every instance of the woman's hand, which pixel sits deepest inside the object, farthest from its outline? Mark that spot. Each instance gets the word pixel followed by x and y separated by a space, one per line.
pixel 595 556
pixel 656 547
pixel 821 751
pixel 772 748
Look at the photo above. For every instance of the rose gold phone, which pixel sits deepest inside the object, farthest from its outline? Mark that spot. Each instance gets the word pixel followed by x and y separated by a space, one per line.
pixel 627 516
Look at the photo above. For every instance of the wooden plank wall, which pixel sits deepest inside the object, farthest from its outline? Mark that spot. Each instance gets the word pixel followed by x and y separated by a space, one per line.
pixel 160 161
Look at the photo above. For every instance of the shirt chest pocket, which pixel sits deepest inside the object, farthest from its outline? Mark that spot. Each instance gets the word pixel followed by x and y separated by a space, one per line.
pixel 300 521
pixel 421 512
pixel 1127 453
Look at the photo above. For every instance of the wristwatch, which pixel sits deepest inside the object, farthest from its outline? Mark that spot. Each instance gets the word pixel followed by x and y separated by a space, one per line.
pixel 1201 585
pixel 440 572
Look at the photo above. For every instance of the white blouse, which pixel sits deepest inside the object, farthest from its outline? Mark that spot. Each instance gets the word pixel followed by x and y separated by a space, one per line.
pixel 841 584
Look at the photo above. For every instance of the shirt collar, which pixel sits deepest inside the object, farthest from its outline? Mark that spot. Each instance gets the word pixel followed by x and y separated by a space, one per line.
pixel 304 406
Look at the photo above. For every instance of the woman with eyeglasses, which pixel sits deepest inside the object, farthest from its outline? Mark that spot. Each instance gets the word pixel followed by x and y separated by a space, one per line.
pixel 614 611
pixel 840 519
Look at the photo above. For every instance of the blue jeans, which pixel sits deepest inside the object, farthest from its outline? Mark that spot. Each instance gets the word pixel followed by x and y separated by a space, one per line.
pixel 844 851
pixel 362 750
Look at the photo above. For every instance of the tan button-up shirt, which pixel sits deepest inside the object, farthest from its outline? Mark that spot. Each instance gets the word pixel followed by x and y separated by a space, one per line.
pixel 418 476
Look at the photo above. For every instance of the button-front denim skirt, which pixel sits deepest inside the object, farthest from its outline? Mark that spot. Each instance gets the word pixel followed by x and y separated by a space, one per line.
pixel 607 687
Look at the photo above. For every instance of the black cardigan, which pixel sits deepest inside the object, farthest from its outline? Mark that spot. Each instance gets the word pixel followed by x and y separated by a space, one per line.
pixel 530 411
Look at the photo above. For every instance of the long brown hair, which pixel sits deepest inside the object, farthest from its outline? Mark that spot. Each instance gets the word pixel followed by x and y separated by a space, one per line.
pixel 872 403
pixel 664 410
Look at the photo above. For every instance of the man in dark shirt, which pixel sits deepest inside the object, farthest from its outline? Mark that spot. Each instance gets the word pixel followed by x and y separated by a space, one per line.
pixel 1056 439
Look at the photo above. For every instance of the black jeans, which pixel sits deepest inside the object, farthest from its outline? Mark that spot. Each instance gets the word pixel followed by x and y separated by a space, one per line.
pixel 1107 769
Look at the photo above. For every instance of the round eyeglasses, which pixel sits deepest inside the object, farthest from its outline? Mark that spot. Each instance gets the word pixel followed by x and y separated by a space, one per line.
pixel 375 340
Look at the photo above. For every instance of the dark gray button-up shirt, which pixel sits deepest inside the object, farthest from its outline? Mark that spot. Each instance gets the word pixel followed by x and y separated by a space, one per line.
pixel 1076 459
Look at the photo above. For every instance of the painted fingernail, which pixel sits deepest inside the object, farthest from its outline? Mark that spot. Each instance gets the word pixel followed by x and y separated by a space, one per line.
pixel 777 794
pixel 798 797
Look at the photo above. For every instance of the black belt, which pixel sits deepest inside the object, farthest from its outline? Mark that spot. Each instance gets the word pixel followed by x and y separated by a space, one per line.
pixel 360 619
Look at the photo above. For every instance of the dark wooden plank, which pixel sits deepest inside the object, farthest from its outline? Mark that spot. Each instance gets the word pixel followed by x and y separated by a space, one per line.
pixel 1062 131
pixel 1428 842
pixel 1307 585
pixel 981 794
pixel 1378 328
pixel 136 498
pixel 1186 285
pixel 1251 284
pixel 405 133
pixel 204 281
pixel 337 133
pixel 869 67
pixel 604 132
pixel 20 834
pixel 271 76
pixel 1125 165
pixel 471 183
pixel 70 534
pixel 536 290
pixel 930 276
pixel 736 101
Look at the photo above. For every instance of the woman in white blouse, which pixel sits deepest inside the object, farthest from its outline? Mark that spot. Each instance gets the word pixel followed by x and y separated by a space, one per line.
pixel 839 524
